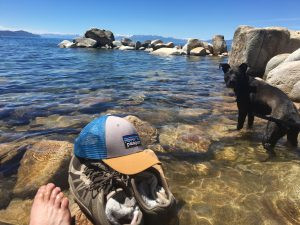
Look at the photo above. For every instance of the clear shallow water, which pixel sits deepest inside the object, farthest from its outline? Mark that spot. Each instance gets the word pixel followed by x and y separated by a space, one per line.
pixel 218 175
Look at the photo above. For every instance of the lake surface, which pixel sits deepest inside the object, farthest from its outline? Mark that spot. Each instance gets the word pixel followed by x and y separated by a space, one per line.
pixel 217 174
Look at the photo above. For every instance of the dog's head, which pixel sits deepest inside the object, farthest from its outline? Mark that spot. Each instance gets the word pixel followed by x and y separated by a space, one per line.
pixel 232 76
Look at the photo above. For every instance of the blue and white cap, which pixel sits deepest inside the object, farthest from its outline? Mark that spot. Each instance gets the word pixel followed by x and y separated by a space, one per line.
pixel 115 141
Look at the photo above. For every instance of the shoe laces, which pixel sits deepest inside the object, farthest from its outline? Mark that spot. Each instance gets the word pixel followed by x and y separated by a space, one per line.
pixel 104 178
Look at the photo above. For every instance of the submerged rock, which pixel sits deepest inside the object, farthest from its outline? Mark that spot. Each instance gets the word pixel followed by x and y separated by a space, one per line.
pixel 184 138
pixel 46 161
pixel 147 133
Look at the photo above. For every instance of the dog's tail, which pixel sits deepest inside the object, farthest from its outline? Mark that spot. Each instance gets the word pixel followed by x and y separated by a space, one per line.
pixel 286 124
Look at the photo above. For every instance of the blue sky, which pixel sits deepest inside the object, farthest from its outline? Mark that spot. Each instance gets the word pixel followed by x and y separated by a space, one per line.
pixel 181 19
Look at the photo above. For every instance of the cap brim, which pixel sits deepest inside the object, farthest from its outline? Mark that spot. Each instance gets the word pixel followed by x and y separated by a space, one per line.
pixel 133 163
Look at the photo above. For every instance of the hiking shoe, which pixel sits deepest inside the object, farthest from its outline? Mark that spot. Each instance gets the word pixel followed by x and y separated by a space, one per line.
pixel 102 193
pixel 154 196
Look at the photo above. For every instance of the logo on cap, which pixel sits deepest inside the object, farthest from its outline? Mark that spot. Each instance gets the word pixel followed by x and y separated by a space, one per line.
pixel 131 141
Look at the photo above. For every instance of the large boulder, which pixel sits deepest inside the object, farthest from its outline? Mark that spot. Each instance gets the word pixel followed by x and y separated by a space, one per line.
pixel 199 51
pixel 103 37
pixel 137 45
pixel 146 44
pixel 208 46
pixel 256 46
pixel 85 43
pixel 162 45
pixel 191 44
pixel 155 42
pixel 295 92
pixel 116 43
pixel 127 42
pixel 219 45
pixel 46 161
pixel 66 44
pixel 285 77
pixel 274 62
pixel 168 52
pixel 295 56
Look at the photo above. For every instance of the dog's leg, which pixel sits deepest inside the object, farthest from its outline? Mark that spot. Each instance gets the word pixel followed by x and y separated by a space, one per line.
pixel 272 134
pixel 250 119
pixel 241 118
pixel 292 137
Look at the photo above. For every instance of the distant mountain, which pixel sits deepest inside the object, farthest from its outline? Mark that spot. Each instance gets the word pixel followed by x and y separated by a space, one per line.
pixel 143 38
pixel 19 33
pixel 61 36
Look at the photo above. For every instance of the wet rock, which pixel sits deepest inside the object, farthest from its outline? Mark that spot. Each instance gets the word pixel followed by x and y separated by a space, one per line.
pixel 199 51
pixel 66 44
pixel 17 212
pixel 228 154
pixel 102 37
pixel 184 138
pixel 147 133
pixel 256 46
pixel 46 161
pixel 285 76
pixel 274 62
pixel 191 44
pixel 219 45
pixel 85 43
pixel 168 52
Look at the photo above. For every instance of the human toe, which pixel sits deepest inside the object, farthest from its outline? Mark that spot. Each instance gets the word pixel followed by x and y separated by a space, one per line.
pixel 48 191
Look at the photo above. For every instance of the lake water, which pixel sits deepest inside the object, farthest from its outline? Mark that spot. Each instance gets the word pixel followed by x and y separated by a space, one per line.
pixel 217 174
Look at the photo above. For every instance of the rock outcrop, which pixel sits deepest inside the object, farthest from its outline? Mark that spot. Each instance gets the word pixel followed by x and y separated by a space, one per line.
pixel 256 46
pixel 127 42
pixel 199 51
pixel 103 37
pixel 285 77
pixel 85 43
pixel 66 44
pixel 168 52
pixel 191 44
pixel 274 62
pixel 46 161
pixel 219 45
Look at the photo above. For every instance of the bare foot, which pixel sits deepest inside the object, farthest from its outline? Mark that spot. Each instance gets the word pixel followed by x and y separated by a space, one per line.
pixel 50 207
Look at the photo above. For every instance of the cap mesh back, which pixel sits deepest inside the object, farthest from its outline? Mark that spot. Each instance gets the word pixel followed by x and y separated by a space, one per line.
pixel 90 143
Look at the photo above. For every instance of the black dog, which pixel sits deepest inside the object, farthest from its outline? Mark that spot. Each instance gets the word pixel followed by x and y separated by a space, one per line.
pixel 257 98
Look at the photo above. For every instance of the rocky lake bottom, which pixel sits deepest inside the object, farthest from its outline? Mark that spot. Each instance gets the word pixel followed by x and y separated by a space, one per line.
pixel 217 174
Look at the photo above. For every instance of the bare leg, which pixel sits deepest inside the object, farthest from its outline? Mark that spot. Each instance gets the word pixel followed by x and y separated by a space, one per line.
pixel 50 207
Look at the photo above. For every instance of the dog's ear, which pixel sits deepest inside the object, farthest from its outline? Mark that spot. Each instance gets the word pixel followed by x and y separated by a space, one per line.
pixel 225 67
pixel 243 68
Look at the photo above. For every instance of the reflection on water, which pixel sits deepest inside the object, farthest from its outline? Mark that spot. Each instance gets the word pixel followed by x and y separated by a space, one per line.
pixel 219 175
